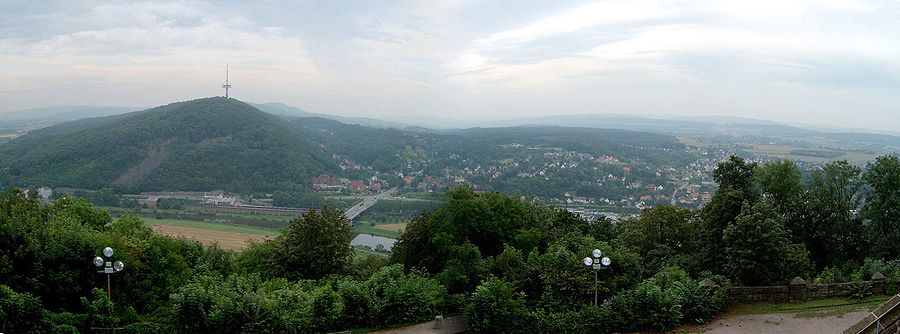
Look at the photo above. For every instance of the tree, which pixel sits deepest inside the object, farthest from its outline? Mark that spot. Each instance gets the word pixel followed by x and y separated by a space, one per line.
pixel 736 187
pixel 759 251
pixel 829 225
pixel 315 245
pixel 781 182
pixel 663 235
pixel 882 206
pixel 737 175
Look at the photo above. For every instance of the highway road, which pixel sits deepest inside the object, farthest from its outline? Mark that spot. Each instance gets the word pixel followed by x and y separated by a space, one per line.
pixel 367 203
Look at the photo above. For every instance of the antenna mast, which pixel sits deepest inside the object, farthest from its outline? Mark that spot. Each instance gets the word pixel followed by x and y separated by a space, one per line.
pixel 226 85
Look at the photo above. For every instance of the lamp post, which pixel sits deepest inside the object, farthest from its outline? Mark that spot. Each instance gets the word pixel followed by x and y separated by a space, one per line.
pixel 108 268
pixel 596 262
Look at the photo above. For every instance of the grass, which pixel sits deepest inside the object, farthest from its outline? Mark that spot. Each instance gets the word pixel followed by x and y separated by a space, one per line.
pixel 365 228
pixel 224 227
pixel 363 251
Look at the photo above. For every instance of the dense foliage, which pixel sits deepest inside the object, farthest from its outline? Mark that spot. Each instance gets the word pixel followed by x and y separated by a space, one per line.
pixel 315 245
pixel 510 265
pixel 521 262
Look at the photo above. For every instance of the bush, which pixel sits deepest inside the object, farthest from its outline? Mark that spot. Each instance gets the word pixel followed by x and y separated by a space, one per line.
pixel 828 276
pixel 100 309
pixel 497 308
pixel 646 307
pixel 66 322
pixel 356 302
pixel 325 309
pixel 697 305
pixel 144 327
pixel 19 312
pixel 871 266
pixel 860 290
pixel 398 298
pixel 590 319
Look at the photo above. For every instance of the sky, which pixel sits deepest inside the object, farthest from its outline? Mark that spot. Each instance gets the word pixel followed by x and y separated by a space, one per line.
pixel 820 62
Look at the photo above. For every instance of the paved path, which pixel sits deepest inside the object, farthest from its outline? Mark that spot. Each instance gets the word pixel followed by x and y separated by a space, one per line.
pixel 450 325
pixel 782 323
pixel 778 323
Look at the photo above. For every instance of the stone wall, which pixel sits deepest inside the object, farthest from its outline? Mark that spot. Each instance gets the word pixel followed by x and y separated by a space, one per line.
pixel 822 291
pixel 796 291
pixel 757 293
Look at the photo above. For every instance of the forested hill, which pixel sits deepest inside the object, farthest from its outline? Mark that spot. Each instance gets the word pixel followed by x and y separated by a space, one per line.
pixel 204 144
pixel 656 148
pixel 383 149
pixel 387 149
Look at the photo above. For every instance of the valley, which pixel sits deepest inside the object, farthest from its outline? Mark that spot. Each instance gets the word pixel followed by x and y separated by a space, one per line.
pixel 597 173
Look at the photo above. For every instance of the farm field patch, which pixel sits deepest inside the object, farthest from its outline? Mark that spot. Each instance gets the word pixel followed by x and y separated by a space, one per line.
pixel 227 240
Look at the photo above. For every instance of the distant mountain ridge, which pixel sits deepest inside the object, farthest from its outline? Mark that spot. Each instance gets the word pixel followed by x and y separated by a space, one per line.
pixel 204 144
pixel 286 110
pixel 881 142
pixel 58 114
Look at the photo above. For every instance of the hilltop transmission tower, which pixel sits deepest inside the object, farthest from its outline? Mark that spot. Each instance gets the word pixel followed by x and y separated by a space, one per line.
pixel 226 85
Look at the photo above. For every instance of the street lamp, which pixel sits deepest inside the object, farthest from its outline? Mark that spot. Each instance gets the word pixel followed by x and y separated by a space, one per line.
pixel 596 262
pixel 108 267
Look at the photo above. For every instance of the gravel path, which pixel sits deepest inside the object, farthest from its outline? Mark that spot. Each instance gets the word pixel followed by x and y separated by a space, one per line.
pixel 786 323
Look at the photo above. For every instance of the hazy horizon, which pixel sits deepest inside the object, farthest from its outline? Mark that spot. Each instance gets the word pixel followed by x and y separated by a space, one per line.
pixel 820 63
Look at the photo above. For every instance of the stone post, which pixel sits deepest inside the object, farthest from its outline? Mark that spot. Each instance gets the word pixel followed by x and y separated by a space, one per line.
pixel 439 322
pixel 708 286
pixel 878 284
pixel 797 290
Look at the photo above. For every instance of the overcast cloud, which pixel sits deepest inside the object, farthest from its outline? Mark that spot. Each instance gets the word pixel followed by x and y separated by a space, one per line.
pixel 818 61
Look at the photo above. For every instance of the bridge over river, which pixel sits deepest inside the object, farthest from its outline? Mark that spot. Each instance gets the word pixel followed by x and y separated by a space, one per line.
pixel 367 203
pixel 370 241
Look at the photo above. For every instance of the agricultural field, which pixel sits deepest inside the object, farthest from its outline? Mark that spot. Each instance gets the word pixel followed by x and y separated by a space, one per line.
pixel 807 154
pixel 813 153
pixel 399 227
pixel 228 240
pixel 692 142
pixel 213 226
pixel 368 228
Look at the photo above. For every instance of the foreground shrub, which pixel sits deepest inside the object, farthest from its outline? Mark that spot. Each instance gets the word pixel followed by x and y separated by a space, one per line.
pixel 646 307
pixel 19 312
pixel 697 305
pixel 497 308
pixel 398 298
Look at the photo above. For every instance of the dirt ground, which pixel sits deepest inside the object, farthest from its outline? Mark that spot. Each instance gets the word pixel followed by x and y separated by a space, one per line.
pixel 781 323
pixel 228 240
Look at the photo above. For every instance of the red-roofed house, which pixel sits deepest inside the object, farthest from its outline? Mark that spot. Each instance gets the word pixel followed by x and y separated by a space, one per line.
pixel 357 186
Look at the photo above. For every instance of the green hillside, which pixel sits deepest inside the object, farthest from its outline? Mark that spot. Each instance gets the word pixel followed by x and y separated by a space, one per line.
pixel 205 144
pixel 387 149
pixel 380 148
